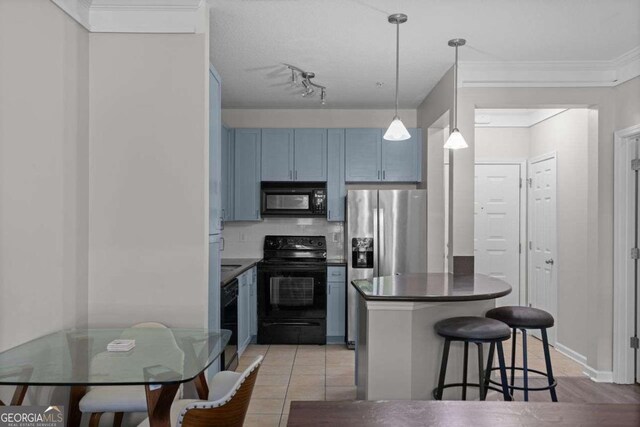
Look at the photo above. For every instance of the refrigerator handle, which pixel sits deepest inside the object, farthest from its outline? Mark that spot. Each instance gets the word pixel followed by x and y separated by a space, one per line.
pixel 375 243
pixel 380 240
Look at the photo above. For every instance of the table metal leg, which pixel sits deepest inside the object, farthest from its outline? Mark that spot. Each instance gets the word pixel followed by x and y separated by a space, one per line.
pixel 159 400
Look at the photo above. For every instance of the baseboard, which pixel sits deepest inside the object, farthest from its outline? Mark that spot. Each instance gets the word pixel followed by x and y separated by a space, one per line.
pixel 571 354
pixel 599 376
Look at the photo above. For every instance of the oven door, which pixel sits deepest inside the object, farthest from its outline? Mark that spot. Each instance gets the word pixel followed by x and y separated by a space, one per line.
pixel 292 291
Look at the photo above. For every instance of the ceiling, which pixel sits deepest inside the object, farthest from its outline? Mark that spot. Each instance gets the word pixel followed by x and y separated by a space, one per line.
pixel 351 47
pixel 514 117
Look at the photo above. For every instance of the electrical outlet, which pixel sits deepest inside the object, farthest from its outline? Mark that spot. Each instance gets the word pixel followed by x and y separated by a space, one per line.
pixel 336 237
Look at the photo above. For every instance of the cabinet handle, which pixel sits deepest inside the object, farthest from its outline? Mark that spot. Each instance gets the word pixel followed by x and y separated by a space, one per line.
pixel 328 290
pixel 378 174
pixel 222 223
pixel 290 174
pixel 295 173
pixel 384 175
pixel 329 214
pixel 257 214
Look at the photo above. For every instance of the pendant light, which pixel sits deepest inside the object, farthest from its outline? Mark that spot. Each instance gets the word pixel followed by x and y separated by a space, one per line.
pixel 397 131
pixel 455 141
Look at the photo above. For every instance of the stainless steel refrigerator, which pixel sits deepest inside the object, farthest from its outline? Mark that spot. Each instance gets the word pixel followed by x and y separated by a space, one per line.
pixel 386 234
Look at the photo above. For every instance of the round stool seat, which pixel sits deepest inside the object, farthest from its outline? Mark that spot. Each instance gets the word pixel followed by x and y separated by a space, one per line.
pixel 522 317
pixel 473 328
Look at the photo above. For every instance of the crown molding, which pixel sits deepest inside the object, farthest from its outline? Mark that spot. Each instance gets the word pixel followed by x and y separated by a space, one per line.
pixel 136 16
pixel 551 73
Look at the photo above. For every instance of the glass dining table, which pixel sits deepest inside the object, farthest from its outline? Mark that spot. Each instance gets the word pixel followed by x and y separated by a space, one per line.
pixel 161 360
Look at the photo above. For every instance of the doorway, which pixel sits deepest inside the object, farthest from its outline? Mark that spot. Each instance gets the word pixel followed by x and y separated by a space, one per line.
pixel 626 321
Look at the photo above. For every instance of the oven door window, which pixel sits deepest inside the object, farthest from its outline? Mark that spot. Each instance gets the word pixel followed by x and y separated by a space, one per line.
pixel 291 292
pixel 287 202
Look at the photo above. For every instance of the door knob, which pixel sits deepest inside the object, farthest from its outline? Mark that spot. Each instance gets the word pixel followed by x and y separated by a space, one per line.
pixel 549 261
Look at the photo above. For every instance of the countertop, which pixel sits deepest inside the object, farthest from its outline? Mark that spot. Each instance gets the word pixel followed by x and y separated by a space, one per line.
pixel 432 287
pixel 243 264
pixel 333 262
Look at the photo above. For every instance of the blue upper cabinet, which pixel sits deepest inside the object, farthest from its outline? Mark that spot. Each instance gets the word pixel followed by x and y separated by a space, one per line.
pixel 246 174
pixel 362 155
pixel 336 189
pixel 401 160
pixel 215 146
pixel 277 156
pixel 227 174
pixel 310 155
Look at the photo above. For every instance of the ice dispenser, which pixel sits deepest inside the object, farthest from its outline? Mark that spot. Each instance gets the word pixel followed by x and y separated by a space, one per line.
pixel 362 252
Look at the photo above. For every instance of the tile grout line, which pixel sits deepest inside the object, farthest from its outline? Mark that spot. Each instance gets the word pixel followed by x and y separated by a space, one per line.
pixel 295 354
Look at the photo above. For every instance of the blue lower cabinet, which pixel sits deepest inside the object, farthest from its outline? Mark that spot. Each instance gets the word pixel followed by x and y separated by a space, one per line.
pixel 253 303
pixel 336 304
pixel 215 261
pixel 336 188
pixel 246 174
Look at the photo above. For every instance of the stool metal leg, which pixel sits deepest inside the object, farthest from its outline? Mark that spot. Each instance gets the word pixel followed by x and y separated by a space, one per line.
pixel 503 373
pixel 464 370
pixel 513 356
pixel 480 372
pixel 487 375
pixel 524 365
pixel 443 368
pixel 547 361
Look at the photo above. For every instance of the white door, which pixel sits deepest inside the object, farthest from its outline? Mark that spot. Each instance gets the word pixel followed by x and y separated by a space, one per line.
pixel 497 225
pixel 543 261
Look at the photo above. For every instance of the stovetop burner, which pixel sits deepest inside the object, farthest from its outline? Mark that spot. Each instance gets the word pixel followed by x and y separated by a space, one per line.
pixel 295 249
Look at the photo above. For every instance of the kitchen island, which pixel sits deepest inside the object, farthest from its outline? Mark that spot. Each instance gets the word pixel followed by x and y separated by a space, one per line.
pixel 398 353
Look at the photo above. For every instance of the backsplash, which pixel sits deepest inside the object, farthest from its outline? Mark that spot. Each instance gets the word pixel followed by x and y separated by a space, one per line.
pixel 246 239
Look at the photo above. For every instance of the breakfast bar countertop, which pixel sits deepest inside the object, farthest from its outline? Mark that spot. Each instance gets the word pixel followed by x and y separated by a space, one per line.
pixel 431 287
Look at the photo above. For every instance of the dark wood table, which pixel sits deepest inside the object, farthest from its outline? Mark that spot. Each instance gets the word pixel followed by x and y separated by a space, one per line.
pixel 461 414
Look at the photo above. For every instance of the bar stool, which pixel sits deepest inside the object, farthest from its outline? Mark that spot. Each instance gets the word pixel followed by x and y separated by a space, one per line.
pixel 476 330
pixel 524 318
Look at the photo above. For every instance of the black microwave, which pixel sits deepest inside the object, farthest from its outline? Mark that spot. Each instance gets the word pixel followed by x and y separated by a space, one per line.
pixel 293 199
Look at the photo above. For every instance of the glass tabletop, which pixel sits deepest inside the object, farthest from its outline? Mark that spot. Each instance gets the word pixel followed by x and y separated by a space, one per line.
pixel 80 357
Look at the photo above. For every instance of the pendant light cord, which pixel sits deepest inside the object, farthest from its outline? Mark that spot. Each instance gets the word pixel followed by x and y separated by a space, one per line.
pixel 455 92
pixel 397 62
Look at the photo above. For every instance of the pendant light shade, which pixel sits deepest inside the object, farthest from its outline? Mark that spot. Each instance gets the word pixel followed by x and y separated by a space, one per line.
pixel 397 130
pixel 455 140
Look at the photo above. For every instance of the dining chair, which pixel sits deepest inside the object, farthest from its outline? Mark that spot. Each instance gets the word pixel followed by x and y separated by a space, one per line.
pixel 116 399
pixel 229 396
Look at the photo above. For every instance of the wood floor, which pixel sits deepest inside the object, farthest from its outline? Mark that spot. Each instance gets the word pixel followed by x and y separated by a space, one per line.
pixel 292 372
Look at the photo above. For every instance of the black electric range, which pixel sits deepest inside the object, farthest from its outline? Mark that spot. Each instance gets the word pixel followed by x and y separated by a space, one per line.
pixel 292 290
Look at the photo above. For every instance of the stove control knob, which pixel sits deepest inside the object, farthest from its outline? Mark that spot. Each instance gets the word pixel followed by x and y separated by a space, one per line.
pixel 319 243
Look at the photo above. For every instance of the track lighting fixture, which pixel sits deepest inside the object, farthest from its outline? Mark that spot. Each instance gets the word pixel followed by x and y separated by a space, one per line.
pixel 299 76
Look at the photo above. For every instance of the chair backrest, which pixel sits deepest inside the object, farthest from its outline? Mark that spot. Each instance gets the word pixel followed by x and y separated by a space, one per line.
pixel 230 410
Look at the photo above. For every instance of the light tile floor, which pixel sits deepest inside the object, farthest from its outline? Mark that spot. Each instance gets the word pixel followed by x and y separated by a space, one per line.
pixel 315 372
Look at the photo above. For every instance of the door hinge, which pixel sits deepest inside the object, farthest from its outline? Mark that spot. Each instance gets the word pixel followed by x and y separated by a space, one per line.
pixel 519 248
pixel 530 181
pixel 635 164
pixel 634 342
pixel 520 182
pixel 530 245
pixel 635 253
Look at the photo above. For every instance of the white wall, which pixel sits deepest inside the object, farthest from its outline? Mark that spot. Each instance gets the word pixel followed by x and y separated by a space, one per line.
pixel 502 143
pixel 627 104
pixel 44 133
pixel 148 211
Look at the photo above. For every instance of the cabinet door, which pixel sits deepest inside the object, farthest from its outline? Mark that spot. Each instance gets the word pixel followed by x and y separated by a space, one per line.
pixel 401 159
pixel 226 182
pixel 215 163
pixel 336 310
pixel 277 154
pixel 243 312
pixel 310 155
pixel 246 175
pixel 362 155
pixel 253 303
pixel 336 189
pixel 213 311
